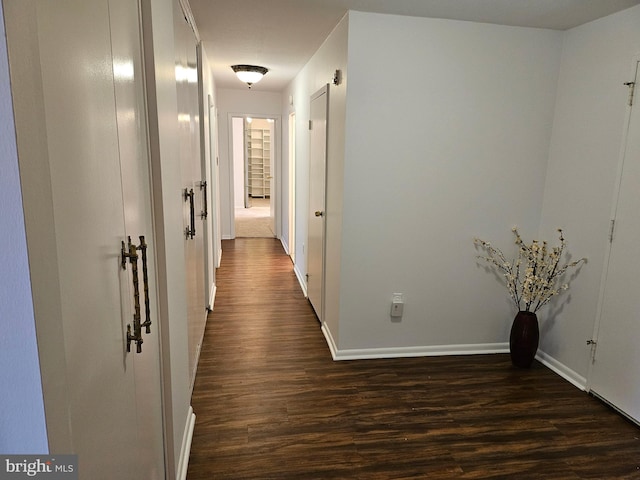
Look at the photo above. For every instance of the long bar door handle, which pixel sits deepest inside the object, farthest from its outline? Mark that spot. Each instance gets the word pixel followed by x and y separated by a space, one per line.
pixel 133 334
pixel 205 211
pixel 145 284
pixel 190 232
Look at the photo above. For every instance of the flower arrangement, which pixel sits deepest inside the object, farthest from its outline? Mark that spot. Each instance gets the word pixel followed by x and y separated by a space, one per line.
pixel 533 278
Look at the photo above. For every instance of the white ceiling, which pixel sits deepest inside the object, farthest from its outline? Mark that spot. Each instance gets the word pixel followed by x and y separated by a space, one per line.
pixel 282 35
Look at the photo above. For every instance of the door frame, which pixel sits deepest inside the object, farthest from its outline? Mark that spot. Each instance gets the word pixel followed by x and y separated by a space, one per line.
pixel 276 170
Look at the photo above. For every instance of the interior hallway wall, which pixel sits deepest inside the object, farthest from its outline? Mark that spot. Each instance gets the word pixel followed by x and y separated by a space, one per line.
pixel 318 72
pixel 460 152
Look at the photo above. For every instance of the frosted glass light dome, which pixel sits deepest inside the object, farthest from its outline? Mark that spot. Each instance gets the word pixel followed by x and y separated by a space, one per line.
pixel 249 74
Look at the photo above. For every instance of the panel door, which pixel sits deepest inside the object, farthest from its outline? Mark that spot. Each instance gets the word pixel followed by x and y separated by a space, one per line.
pixel 317 180
pixel 191 171
pixel 75 68
pixel 616 368
pixel 131 118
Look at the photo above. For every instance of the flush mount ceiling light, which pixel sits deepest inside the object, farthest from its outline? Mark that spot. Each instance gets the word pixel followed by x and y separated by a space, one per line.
pixel 249 74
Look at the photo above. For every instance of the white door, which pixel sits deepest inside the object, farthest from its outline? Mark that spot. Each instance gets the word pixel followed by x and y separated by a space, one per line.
pixel 192 176
pixel 317 179
pixel 616 368
pixel 126 44
pixel 84 56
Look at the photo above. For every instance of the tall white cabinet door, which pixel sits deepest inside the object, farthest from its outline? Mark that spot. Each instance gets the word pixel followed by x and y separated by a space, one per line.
pixel 69 44
pixel 616 368
pixel 131 117
pixel 191 170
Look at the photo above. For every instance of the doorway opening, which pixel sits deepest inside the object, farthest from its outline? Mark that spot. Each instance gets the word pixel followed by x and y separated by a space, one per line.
pixel 254 142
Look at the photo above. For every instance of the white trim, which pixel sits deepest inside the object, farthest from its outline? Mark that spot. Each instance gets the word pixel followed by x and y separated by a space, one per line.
pixel 423 351
pixel 405 352
pixel 303 284
pixel 442 350
pixel 212 296
pixel 188 15
pixel 220 257
pixel 330 342
pixel 185 450
pixel 561 369
pixel 276 170
pixel 285 246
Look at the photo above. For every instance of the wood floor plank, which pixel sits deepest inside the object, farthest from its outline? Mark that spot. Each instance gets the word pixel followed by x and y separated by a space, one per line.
pixel 271 404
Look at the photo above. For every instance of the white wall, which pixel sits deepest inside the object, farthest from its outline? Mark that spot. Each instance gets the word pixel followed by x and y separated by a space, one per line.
pixel 22 417
pixel 318 72
pixel 460 151
pixel 239 103
pixel 584 156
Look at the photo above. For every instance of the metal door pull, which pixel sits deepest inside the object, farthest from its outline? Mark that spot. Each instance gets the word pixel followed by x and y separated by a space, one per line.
pixel 133 334
pixel 190 232
pixel 205 212
pixel 145 284
pixel 130 251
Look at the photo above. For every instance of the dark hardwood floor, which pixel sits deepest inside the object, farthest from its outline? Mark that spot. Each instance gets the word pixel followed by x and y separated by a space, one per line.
pixel 271 404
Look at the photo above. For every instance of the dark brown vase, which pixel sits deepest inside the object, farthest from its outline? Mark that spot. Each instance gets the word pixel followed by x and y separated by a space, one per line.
pixel 523 342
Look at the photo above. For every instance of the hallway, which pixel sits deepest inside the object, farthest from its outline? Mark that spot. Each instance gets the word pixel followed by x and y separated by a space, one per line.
pixel 271 404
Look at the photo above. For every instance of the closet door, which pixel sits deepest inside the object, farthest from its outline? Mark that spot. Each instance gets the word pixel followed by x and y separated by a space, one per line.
pixel 616 367
pixel 192 176
pixel 317 200
pixel 135 171
pixel 83 56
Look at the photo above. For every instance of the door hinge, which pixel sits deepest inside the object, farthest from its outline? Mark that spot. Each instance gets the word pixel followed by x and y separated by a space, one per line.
pixel 611 228
pixel 310 124
pixel 632 87
pixel 593 345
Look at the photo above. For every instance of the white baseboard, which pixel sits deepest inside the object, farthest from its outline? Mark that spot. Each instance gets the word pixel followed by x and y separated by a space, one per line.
pixel 185 450
pixel 227 237
pixel 212 296
pixel 561 369
pixel 285 246
pixel 302 283
pixel 405 352
pixel 219 258
pixel 434 350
